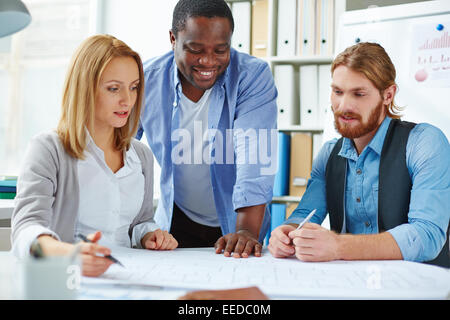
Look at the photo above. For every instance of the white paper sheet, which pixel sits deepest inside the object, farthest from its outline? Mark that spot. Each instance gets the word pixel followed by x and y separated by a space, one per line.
pixel 188 269
pixel 430 56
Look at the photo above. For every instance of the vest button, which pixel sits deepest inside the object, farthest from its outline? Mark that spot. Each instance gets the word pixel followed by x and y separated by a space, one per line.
pixel 358 199
pixel 358 171
pixel 367 223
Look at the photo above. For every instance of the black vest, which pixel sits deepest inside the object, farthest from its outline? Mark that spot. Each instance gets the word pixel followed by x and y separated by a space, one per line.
pixel 394 185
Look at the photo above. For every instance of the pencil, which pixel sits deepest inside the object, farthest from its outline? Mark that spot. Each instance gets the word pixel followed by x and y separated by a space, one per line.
pixel 306 219
pixel 110 257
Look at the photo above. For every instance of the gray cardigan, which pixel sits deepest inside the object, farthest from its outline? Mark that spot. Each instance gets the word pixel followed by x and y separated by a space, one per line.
pixel 48 190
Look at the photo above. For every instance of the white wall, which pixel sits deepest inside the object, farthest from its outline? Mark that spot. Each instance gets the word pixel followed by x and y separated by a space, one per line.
pixel 142 24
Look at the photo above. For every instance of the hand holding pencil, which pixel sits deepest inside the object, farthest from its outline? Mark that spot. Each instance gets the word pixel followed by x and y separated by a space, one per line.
pixel 95 265
pixel 313 242
pixel 95 258
pixel 280 242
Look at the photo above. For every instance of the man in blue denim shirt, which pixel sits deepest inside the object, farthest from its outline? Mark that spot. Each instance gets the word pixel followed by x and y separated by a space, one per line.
pixel 210 120
pixel 385 184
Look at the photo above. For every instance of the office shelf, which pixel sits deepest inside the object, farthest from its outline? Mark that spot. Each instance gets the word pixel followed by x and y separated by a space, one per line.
pixel 286 199
pixel 297 128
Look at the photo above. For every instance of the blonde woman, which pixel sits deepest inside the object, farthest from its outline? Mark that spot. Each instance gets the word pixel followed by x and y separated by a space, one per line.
pixel 91 176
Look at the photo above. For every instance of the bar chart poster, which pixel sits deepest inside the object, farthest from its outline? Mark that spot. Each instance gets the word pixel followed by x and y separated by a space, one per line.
pixel 430 59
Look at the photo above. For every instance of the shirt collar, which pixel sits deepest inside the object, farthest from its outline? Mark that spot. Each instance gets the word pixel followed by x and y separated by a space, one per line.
pixel 129 156
pixel 176 78
pixel 89 140
pixel 376 144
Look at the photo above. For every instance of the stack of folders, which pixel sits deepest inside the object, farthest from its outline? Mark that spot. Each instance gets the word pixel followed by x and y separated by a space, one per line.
pixel 281 184
pixel 260 29
pixel 305 27
pixel 278 213
pixel 301 163
pixel 294 168
pixel 309 104
pixel 8 186
pixel 286 80
pixel 250 27
pixel 315 90
pixel 242 25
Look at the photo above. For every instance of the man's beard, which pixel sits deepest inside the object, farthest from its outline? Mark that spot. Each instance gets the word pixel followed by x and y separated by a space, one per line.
pixel 361 130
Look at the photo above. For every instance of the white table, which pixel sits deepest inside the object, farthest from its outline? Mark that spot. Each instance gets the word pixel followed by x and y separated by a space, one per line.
pixel 170 274
pixel 10 288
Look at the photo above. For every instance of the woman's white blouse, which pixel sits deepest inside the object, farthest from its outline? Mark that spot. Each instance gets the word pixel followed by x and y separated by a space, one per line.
pixel 109 201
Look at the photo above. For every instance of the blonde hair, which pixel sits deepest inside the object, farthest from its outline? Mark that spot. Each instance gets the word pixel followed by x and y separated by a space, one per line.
pixel 80 89
pixel 371 60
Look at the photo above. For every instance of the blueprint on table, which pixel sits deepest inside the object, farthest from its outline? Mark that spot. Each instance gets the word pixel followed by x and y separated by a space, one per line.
pixel 201 268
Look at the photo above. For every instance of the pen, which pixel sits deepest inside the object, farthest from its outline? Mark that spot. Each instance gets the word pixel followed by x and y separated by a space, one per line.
pixel 110 257
pixel 306 219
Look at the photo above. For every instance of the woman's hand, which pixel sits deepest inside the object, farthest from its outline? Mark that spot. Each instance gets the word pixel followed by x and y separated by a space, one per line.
pixel 92 255
pixel 94 265
pixel 159 240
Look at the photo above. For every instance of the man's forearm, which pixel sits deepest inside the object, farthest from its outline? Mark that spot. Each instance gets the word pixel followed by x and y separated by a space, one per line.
pixel 380 246
pixel 250 219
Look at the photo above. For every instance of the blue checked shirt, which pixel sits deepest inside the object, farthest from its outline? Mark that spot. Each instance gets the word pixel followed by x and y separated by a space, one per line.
pixel 244 97
pixel 428 163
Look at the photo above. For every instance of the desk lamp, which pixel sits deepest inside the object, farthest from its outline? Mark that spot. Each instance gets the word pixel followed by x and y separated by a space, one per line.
pixel 14 16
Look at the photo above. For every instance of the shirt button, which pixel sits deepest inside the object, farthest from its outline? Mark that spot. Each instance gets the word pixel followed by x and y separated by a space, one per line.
pixel 174 103
pixel 358 171
pixel 367 223
pixel 358 199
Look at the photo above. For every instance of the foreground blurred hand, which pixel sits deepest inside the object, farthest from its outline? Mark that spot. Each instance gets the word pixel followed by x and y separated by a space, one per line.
pixel 251 293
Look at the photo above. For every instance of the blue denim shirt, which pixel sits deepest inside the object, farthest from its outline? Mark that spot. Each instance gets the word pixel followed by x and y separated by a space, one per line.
pixel 242 99
pixel 428 163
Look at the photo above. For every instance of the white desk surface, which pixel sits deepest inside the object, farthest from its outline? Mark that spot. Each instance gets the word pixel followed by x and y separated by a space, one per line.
pixel 6 208
pixel 170 274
